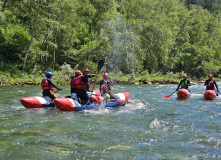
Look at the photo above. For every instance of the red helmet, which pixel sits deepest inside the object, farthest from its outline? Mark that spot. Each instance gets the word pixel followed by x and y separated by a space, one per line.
pixel 105 75
pixel 86 70
pixel 77 72
pixel 210 75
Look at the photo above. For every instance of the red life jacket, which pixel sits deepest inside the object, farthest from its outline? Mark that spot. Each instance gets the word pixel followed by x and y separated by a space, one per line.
pixel 73 83
pixel 105 88
pixel 45 85
pixel 210 85
pixel 80 84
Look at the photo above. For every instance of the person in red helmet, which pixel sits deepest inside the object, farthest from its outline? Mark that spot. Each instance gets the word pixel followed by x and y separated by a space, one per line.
pixel 74 85
pixel 83 85
pixel 105 86
pixel 210 83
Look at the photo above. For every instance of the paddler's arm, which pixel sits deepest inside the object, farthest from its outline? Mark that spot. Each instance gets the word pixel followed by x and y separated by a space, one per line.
pixel 188 83
pixel 90 75
pixel 52 83
pixel 205 83
pixel 216 86
pixel 179 86
pixel 110 81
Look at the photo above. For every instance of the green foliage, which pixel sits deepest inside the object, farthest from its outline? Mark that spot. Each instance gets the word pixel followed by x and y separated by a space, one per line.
pixel 66 71
pixel 153 37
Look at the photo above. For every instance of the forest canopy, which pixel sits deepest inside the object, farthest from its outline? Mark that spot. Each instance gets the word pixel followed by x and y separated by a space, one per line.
pixel 133 36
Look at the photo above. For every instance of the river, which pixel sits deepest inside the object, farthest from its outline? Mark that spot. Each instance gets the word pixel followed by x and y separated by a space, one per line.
pixel 149 127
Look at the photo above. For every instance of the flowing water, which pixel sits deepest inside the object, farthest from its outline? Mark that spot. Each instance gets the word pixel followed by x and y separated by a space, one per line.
pixel 149 127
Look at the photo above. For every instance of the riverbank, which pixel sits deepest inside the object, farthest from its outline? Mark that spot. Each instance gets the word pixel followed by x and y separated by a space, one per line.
pixel 118 78
pixel 156 80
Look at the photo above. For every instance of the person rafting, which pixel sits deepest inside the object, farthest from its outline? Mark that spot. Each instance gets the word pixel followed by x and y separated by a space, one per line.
pixel 74 85
pixel 184 83
pixel 48 86
pixel 83 85
pixel 105 86
pixel 209 83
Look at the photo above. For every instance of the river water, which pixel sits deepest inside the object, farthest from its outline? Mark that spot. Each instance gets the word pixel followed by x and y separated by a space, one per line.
pixel 149 127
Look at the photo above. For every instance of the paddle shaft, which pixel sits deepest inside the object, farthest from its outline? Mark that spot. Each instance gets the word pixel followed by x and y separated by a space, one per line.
pixel 94 83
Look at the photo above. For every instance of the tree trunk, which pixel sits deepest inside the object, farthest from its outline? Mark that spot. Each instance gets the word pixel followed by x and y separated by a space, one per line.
pixel 33 32
pixel 41 57
pixel 46 56
pixel 55 41
pixel 4 5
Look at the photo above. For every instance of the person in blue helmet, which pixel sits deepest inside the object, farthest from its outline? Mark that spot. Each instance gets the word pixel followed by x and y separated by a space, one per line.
pixel 48 86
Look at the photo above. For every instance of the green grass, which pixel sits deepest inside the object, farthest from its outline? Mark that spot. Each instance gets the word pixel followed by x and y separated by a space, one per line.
pixel 59 78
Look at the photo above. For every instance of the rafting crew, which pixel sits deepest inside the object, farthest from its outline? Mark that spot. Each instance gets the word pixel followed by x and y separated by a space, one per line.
pixel 184 83
pixel 210 83
pixel 105 86
pixel 48 87
pixel 74 85
pixel 82 85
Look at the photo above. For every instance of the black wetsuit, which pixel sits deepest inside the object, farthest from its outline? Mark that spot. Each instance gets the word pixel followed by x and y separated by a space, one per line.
pixel 82 93
pixel 107 84
pixel 207 84
pixel 184 83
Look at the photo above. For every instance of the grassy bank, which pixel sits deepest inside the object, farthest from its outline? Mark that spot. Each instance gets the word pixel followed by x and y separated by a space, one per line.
pixel 62 78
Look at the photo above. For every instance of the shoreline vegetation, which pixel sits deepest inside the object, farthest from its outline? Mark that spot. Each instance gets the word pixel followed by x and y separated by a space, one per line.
pixel 175 37
pixel 23 79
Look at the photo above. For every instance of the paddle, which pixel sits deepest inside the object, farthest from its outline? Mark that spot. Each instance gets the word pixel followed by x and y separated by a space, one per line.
pixel 99 67
pixel 168 96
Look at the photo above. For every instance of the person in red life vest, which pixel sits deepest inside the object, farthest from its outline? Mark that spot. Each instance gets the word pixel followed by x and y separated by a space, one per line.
pixel 209 83
pixel 83 85
pixel 48 86
pixel 74 85
pixel 105 86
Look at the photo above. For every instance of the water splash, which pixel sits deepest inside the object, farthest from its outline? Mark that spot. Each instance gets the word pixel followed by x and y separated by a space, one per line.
pixel 124 42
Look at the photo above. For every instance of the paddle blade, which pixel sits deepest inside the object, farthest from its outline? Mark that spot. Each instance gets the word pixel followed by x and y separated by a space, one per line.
pixel 100 65
pixel 167 96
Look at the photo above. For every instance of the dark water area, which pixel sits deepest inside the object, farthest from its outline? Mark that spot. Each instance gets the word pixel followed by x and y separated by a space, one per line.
pixel 149 127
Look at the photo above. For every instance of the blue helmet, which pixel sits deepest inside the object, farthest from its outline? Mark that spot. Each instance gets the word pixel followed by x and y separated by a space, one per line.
pixel 48 74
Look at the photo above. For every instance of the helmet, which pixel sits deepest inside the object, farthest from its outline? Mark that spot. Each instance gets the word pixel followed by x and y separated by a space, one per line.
pixel 48 74
pixel 184 75
pixel 210 75
pixel 77 72
pixel 105 75
pixel 86 70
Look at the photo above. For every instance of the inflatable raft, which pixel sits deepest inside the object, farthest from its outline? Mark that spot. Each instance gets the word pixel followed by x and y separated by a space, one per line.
pixel 209 95
pixel 183 93
pixel 36 102
pixel 69 104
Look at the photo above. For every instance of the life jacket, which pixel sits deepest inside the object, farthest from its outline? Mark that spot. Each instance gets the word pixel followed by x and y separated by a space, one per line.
pixel 80 84
pixel 105 88
pixel 45 85
pixel 184 84
pixel 73 83
pixel 210 85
